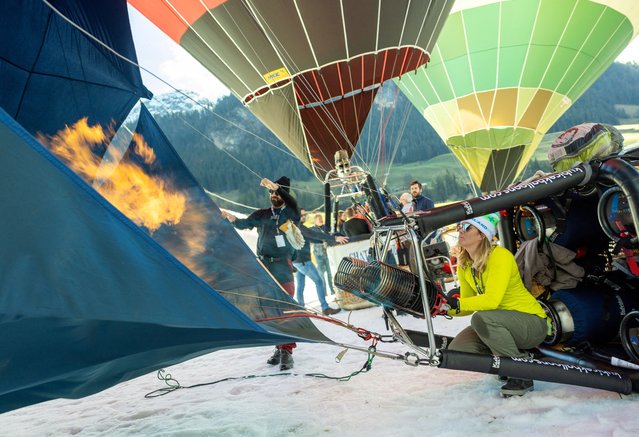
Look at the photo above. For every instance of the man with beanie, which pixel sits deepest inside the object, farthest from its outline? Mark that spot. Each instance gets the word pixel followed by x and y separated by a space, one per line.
pixel 506 318
pixel 273 248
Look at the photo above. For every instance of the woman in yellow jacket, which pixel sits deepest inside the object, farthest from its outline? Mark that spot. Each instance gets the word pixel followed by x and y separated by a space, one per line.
pixel 506 318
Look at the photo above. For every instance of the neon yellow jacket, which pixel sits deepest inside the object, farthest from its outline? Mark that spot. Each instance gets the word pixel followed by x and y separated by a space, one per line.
pixel 500 287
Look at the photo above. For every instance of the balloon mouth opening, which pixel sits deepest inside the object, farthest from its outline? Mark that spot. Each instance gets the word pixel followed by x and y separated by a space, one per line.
pixel 262 91
pixel 346 77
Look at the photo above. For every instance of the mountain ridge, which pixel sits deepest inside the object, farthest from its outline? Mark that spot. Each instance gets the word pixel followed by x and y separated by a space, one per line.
pixel 231 158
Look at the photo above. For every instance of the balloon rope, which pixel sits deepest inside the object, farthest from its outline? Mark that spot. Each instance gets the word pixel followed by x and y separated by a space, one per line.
pixel 384 129
pixel 283 54
pixel 398 137
pixel 124 58
pixel 207 138
pixel 205 107
pixel 229 200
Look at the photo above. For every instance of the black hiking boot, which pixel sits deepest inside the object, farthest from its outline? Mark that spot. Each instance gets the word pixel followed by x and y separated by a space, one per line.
pixel 275 358
pixel 516 387
pixel 286 360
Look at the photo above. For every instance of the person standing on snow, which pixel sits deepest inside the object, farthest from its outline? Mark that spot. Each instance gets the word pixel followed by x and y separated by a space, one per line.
pixel 273 248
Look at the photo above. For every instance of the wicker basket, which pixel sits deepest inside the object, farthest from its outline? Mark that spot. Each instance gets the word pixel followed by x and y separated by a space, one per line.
pixel 348 301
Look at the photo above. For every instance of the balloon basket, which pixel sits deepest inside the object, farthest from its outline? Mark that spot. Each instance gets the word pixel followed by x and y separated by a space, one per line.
pixel 348 301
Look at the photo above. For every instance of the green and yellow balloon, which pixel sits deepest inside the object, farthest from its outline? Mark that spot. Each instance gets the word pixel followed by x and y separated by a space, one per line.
pixel 502 73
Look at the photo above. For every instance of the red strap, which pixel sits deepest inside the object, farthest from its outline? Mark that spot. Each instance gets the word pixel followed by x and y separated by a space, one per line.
pixel 632 262
pixel 629 253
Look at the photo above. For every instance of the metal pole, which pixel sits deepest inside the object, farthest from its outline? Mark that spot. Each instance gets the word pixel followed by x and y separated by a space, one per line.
pixel 425 300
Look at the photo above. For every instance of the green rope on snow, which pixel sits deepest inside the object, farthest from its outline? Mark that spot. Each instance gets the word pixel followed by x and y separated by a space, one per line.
pixel 173 384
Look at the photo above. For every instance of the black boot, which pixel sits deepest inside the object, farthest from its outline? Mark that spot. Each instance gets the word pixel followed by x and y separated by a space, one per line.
pixel 275 358
pixel 286 360
pixel 330 311
pixel 516 387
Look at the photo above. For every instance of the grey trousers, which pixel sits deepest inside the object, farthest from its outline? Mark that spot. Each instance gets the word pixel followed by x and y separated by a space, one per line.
pixel 501 332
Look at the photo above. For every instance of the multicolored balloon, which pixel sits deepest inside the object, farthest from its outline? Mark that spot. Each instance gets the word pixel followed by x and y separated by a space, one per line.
pixel 308 69
pixel 503 72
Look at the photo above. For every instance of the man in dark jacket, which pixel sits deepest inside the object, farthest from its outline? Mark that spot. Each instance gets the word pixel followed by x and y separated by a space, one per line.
pixel 304 266
pixel 355 225
pixel 420 202
pixel 273 249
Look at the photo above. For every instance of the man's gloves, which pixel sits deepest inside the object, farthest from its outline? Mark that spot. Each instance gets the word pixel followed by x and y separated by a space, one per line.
pixel 293 234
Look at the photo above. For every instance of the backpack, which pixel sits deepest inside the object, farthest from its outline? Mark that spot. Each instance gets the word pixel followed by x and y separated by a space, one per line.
pixel 582 143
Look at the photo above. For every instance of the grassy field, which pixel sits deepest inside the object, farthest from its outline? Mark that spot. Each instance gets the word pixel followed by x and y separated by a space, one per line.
pixel 402 175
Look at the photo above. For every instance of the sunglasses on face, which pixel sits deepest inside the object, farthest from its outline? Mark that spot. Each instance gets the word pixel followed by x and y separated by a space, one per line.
pixel 273 192
pixel 463 227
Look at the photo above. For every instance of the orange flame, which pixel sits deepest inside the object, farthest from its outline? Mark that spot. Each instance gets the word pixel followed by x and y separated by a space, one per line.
pixel 147 200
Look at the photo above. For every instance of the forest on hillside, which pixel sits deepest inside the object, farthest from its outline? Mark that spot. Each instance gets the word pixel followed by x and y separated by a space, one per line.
pixel 229 150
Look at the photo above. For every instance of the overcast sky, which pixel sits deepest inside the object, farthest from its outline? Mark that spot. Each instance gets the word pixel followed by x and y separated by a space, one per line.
pixel 166 59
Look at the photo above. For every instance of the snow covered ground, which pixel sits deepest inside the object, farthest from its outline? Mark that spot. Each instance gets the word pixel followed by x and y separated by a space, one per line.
pixel 392 399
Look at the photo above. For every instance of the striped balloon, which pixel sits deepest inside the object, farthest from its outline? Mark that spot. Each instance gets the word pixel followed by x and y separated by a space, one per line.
pixel 308 69
pixel 502 73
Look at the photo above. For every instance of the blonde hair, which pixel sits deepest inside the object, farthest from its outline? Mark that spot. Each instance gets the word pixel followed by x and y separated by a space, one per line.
pixel 479 264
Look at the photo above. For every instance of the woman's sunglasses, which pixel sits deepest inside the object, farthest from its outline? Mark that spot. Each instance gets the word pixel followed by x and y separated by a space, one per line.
pixel 463 227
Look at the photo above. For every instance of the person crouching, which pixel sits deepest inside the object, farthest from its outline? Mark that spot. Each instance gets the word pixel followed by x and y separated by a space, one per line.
pixel 506 318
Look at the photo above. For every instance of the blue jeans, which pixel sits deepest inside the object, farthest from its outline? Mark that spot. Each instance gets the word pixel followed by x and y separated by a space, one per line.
pixel 324 269
pixel 308 269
